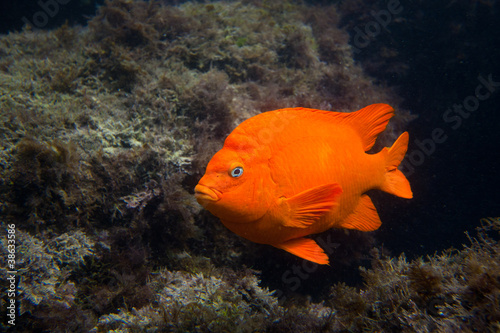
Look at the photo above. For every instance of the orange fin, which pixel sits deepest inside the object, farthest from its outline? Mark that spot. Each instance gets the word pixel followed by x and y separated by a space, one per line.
pixel 303 209
pixel 364 217
pixel 305 248
pixel 370 121
pixel 395 182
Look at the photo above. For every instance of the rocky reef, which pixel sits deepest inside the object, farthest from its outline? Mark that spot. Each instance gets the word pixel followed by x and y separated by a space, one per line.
pixel 105 130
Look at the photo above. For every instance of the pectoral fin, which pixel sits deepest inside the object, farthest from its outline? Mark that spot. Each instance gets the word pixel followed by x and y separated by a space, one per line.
pixel 303 209
pixel 305 248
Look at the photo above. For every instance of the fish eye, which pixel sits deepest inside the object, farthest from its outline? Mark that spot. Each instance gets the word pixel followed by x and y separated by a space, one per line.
pixel 236 172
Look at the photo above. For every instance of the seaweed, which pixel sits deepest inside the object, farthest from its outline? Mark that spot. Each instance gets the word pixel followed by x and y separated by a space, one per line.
pixel 43 180
pixel 187 302
pixel 446 292
pixel 46 297
pixel 208 99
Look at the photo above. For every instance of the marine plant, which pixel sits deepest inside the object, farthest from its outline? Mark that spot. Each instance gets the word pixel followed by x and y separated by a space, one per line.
pixel 456 290
pixel 445 292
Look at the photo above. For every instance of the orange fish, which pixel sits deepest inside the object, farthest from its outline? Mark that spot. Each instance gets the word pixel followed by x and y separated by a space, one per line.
pixel 285 174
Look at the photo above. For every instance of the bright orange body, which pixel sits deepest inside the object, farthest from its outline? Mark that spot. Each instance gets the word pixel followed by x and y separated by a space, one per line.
pixel 289 173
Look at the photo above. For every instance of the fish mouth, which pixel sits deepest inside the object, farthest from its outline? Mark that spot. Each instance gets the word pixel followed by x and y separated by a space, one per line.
pixel 205 193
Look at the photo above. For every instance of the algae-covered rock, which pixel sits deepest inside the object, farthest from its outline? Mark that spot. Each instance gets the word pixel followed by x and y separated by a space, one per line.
pixel 45 296
pixel 195 302
pixel 454 291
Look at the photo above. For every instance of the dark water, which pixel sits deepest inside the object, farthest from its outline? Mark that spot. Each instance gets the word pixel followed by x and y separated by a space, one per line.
pixel 447 47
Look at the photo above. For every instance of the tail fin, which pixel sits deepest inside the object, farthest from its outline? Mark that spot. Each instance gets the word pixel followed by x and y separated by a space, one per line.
pixel 395 182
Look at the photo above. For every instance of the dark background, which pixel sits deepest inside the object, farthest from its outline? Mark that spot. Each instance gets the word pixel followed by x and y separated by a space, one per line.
pixel 73 12
pixel 443 48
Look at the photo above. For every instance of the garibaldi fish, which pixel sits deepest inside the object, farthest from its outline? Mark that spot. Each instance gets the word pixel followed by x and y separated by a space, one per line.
pixel 285 174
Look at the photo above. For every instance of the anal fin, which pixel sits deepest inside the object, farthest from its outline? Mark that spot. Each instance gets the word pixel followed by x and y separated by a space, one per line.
pixel 364 217
pixel 305 248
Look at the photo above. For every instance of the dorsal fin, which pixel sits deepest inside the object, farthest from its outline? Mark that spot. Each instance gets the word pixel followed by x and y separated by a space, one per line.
pixel 370 121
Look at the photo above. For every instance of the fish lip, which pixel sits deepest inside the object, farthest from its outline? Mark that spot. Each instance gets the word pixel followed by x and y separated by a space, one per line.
pixel 205 193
